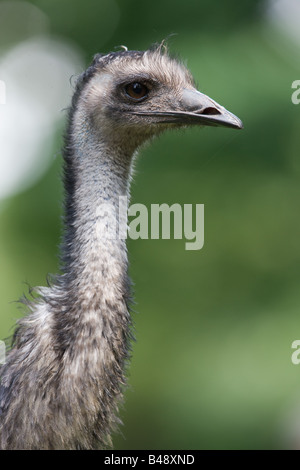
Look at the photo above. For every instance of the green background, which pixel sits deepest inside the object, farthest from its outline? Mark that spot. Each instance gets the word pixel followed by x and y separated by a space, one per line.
pixel 211 367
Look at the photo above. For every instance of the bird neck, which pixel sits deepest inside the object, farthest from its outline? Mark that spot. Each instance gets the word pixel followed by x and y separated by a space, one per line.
pixel 94 256
pixel 97 180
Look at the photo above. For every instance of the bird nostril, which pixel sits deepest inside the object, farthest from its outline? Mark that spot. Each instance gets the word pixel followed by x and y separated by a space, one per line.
pixel 210 111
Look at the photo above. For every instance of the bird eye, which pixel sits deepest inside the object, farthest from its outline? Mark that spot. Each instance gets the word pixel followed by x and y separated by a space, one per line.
pixel 136 90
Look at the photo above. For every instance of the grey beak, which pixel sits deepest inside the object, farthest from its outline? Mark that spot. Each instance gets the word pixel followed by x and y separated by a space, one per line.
pixel 196 108
pixel 201 109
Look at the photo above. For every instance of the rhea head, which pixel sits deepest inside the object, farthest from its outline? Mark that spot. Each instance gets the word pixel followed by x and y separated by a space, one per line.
pixel 133 95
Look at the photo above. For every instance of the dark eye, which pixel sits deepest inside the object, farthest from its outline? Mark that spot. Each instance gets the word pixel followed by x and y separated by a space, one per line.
pixel 136 90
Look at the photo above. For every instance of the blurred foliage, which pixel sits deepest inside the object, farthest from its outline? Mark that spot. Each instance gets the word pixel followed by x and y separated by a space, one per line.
pixel 211 368
pixel 86 23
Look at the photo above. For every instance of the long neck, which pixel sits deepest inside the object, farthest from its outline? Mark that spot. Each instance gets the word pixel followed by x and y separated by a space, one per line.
pixel 97 181
pixel 92 319
pixel 64 378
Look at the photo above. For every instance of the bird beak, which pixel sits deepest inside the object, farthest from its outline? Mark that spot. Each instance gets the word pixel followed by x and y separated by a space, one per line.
pixel 200 109
pixel 196 108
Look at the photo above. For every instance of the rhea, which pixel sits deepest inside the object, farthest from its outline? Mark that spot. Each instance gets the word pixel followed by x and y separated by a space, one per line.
pixel 65 373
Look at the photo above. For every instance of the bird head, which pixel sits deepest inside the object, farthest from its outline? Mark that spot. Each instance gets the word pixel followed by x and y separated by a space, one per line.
pixel 138 94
